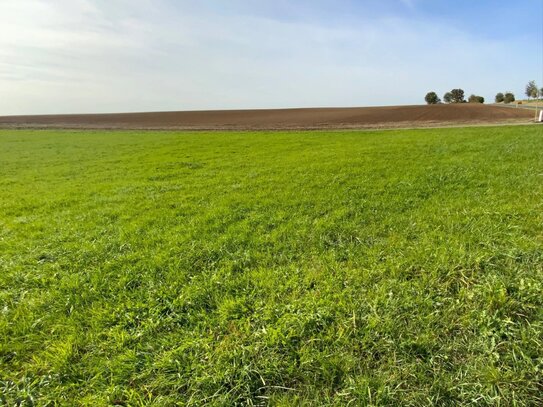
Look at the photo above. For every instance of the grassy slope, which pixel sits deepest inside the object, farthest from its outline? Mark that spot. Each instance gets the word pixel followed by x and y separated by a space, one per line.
pixel 385 268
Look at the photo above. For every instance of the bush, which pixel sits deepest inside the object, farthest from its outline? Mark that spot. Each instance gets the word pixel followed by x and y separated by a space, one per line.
pixel 432 98
pixel 499 97
pixel 447 97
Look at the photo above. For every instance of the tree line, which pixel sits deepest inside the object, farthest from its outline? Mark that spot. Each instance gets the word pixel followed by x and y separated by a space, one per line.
pixel 458 96
pixel 454 96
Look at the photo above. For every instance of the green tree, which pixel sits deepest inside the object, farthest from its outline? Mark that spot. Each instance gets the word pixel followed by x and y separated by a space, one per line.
pixel 476 99
pixel 531 90
pixel 509 98
pixel 432 98
pixel 457 96
pixel 447 97
pixel 499 97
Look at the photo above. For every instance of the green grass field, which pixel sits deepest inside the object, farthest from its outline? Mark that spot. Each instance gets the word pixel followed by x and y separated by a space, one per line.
pixel 393 268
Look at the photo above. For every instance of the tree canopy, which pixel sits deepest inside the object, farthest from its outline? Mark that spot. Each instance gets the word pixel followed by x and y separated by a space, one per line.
pixel 457 95
pixel 476 99
pixel 509 98
pixel 432 98
pixel 531 90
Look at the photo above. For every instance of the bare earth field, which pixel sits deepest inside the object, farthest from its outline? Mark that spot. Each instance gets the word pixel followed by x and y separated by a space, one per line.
pixel 283 119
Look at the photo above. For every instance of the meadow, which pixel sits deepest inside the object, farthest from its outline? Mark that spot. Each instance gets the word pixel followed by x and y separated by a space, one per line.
pixel 377 268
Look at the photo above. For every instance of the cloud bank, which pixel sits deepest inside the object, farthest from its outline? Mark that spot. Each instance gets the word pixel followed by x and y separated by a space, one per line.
pixel 68 56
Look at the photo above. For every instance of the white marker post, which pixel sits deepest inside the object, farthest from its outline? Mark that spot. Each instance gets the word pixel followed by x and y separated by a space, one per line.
pixel 541 116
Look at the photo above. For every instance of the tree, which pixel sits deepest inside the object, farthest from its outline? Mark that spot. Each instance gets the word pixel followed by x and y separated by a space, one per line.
pixel 476 99
pixel 432 98
pixel 457 96
pixel 499 97
pixel 447 97
pixel 509 98
pixel 531 90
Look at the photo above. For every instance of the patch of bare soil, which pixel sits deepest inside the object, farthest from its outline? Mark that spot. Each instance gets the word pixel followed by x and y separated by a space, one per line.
pixel 283 119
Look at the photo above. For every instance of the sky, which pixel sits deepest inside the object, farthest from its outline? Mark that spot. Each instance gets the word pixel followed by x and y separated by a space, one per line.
pixel 93 56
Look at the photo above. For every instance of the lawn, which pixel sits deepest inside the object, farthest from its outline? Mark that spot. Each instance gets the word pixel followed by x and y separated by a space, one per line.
pixel 386 268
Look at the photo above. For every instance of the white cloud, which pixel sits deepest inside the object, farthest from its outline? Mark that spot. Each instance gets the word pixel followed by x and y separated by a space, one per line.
pixel 93 56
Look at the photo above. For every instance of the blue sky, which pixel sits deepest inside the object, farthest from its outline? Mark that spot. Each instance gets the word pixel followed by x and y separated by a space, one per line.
pixel 69 56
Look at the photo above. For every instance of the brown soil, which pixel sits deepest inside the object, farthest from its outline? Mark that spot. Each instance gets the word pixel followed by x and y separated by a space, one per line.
pixel 279 119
